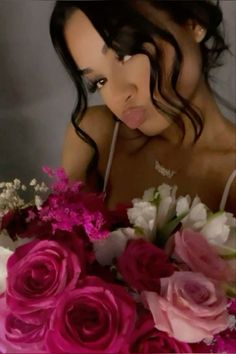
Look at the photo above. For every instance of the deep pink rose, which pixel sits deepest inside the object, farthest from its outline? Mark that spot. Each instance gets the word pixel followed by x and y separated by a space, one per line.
pixel 189 308
pixel 225 342
pixel 142 265
pixel 21 334
pixel 196 252
pixel 147 339
pixel 38 274
pixel 98 317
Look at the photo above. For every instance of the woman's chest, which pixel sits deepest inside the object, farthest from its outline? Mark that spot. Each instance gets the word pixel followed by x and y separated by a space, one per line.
pixel 131 174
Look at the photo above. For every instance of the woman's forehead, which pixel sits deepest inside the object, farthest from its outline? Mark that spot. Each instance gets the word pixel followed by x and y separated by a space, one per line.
pixel 82 38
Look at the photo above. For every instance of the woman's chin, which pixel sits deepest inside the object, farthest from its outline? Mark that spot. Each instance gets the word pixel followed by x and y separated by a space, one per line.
pixel 152 129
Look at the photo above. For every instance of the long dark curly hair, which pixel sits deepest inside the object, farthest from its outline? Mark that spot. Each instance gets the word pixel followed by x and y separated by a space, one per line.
pixel 125 28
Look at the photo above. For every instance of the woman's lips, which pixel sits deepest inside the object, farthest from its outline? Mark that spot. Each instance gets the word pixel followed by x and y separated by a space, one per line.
pixel 133 117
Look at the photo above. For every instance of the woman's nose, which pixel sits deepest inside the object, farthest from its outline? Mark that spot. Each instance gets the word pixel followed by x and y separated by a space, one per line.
pixel 123 92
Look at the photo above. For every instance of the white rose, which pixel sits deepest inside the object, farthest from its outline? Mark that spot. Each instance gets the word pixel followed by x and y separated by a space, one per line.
pixel 142 215
pixel 154 210
pixel 218 227
pixel 150 194
pixel 166 206
pixel 183 205
pixel 196 216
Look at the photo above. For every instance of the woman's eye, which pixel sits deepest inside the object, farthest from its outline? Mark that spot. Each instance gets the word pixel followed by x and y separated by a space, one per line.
pixel 100 83
pixel 94 85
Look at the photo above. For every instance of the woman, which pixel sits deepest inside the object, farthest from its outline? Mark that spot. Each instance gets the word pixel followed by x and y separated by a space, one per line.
pixel 160 123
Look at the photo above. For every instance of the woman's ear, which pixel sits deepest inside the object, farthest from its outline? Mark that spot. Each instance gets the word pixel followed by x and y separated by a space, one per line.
pixel 197 31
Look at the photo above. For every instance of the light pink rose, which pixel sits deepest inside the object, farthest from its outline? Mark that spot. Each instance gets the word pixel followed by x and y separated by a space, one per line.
pixel 192 248
pixel 189 307
pixel 97 317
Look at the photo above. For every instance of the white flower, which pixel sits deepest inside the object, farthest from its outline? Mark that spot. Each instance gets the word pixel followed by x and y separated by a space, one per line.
pixel 4 255
pixel 183 205
pixel 154 210
pixel 166 205
pixel 9 197
pixel 150 194
pixel 113 246
pixel 196 216
pixel 231 322
pixel 218 227
pixel 142 216
pixel 33 182
pixel 17 183
pixel 43 187
pixel 38 201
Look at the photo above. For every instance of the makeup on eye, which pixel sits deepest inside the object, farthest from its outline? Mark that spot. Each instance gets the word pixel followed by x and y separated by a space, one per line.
pixel 92 85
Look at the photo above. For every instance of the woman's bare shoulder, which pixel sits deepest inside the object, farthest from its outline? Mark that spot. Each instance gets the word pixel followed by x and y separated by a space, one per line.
pixel 98 123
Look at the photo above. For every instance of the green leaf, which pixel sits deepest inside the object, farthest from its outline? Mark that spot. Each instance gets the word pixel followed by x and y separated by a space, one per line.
pixel 226 252
pixel 156 198
pixel 230 290
pixel 138 230
pixel 166 231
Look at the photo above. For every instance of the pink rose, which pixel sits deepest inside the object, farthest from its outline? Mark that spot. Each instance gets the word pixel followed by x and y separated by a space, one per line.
pixel 21 334
pixel 142 265
pixel 147 339
pixel 225 342
pixel 38 274
pixel 98 317
pixel 199 256
pixel 189 307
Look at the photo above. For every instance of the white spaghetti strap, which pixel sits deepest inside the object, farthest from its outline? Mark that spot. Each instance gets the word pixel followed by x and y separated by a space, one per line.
pixel 227 189
pixel 110 158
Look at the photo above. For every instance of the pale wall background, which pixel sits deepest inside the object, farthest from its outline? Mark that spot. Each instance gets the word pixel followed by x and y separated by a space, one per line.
pixel 37 96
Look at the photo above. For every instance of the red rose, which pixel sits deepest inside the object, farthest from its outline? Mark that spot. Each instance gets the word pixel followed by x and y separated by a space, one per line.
pixel 147 339
pixel 142 265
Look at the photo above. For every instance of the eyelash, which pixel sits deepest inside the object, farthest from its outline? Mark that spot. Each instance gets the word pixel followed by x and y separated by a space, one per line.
pixel 92 84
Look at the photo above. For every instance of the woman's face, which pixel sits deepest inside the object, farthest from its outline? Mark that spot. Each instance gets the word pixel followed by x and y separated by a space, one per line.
pixel 125 84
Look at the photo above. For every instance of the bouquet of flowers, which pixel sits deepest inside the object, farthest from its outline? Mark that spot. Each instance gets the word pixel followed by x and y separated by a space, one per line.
pixel 157 276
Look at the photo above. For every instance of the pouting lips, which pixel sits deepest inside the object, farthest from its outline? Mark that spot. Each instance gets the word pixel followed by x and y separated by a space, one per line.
pixel 133 117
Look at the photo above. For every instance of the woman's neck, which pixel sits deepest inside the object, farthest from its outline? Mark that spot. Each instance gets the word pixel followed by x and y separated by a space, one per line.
pixel 216 128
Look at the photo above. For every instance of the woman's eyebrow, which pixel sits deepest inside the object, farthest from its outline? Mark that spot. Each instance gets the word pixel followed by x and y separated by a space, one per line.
pixel 86 71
